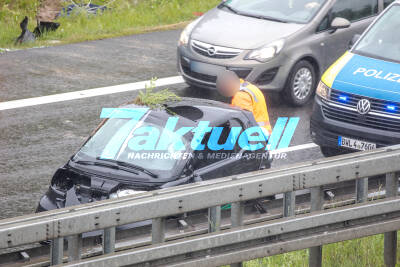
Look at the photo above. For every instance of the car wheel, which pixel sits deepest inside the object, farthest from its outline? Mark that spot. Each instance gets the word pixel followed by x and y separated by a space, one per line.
pixel 331 151
pixel 300 85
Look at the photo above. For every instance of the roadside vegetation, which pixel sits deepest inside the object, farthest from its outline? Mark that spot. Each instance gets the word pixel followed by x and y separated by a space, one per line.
pixel 122 17
pixel 366 252
pixel 152 99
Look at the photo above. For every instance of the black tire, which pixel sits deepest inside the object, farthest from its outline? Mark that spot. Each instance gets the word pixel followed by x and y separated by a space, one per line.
pixel 300 97
pixel 331 151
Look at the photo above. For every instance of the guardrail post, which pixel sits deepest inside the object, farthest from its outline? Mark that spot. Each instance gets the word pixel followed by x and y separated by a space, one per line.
pixel 56 251
pixel 317 202
pixel 289 202
pixel 361 190
pixel 390 238
pixel 214 219
pixel 158 231
pixel 74 247
pixel 109 240
pixel 237 213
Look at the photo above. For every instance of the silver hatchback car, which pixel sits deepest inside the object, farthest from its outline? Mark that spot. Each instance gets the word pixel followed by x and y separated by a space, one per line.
pixel 279 45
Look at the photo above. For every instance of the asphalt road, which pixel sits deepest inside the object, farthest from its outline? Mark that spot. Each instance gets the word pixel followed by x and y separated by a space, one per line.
pixel 36 140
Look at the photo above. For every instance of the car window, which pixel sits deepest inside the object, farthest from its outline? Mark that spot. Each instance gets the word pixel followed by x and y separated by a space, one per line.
pixel 354 10
pixel 208 155
pixel 324 25
pixel 236 123
pixel 298 11
pixel 380 41
pixel 386 3
pixel 120 139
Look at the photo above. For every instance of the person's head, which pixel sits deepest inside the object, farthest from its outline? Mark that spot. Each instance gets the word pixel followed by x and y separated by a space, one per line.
pixel 228 83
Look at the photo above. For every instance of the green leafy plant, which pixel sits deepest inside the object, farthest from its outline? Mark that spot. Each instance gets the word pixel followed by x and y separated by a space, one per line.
pixel 152 99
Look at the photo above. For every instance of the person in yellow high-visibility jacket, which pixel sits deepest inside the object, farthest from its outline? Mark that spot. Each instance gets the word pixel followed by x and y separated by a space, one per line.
pixel 245 96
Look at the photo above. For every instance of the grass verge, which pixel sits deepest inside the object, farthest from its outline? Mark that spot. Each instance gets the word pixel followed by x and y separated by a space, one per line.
pixel 123 17
pixel 363 252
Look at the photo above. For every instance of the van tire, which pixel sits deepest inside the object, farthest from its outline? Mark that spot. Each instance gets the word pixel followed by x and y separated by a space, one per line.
pixel 300 85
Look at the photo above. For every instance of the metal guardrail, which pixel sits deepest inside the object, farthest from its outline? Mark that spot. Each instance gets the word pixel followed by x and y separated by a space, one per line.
pixel 240 242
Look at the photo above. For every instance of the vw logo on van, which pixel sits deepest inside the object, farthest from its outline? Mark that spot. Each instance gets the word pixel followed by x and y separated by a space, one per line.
pixel 363 106
pixel 211 51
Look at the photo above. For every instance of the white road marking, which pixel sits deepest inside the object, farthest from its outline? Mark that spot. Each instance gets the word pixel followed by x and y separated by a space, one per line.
pixel 34 101
pixel 294 148
pixel 20 103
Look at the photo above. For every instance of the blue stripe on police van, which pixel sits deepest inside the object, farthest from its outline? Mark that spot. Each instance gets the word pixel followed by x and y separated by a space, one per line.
pixel 339 141
pixel 276 133
pixel 370 77
pixel 289 132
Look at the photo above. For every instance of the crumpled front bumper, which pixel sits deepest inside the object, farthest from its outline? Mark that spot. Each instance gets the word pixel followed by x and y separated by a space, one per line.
pixel 52 199
pixel 57 199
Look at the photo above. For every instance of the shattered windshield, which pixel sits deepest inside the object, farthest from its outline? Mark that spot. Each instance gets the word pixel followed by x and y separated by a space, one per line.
pixel 138 143
pixel 298 11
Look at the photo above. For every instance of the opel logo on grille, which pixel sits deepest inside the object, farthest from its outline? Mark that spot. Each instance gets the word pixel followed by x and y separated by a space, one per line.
pixel 363 106
pixel 211 51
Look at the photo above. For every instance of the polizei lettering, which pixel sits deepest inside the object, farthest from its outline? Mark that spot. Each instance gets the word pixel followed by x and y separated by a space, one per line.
pixel 378 74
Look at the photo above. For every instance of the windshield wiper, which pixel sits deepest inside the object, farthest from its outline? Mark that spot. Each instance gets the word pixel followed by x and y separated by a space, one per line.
pixel 229 7
pixel 87 162
pixel 129 165
pixel 233 10
pixel 263 17
pixel 94 163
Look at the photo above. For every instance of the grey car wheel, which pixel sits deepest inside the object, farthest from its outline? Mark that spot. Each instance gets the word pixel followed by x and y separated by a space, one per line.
pixel 301 83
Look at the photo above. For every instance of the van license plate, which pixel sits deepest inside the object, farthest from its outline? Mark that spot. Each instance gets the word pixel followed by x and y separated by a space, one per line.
pixel 355 144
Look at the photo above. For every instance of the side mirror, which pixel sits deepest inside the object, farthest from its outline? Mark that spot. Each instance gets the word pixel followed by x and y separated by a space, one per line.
pixel 339 23
pixel 354 40
pixel 197 178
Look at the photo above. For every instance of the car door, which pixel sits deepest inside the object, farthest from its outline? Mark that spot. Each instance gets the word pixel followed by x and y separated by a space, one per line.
pixel 211 164
pixel 359 12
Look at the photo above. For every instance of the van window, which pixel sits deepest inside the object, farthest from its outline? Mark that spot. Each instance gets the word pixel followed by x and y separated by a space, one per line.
pixel 381 40
pixel 387 2
pixel 354 9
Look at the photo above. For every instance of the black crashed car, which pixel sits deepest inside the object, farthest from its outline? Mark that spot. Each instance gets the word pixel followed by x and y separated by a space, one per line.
pixel 88 176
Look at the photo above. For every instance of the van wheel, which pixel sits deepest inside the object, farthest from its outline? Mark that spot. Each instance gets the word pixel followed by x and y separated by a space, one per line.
pixel 331 152
pixel 300 85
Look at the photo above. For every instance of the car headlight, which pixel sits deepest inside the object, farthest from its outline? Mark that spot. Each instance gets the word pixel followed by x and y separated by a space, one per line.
pixel 124 193
pixel 323 91
pixel 266 52
pixel 185 35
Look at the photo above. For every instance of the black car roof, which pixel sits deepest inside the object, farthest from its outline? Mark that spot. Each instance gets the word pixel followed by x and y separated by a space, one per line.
pixel 193 110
